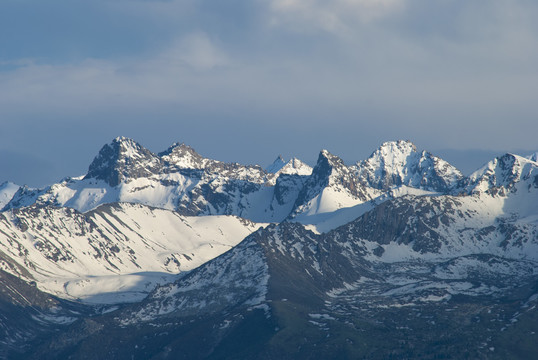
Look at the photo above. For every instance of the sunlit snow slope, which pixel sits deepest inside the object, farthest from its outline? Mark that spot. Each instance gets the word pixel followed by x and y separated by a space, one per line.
pixel 115 253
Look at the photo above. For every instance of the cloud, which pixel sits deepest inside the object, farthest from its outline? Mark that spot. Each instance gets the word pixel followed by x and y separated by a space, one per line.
pixel 196 50
pixel 340 74
pixel 336 16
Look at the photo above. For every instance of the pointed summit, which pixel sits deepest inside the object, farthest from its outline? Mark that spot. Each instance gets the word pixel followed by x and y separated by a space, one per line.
pixel 122 159
pixel 296 166
pixel 276 165
pixel 331 186
pixel 183 157
pixel 503 172
pixel 7 190
pixel 291 167
pixel 397 163
pixel 533 157
pixel 327 165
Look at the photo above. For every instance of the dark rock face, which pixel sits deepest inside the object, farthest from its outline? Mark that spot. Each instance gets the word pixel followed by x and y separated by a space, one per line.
pixel 123 159
pixel 406 221
pixel 329 172
pixel 28 315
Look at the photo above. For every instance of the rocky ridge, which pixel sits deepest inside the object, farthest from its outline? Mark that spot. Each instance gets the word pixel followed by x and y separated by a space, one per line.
pixel 414 260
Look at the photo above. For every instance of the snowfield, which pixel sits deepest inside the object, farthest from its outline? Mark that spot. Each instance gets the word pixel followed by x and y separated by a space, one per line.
pixel 115 253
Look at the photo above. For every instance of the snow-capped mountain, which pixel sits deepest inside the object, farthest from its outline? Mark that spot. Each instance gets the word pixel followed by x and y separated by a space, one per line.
pixel 292 167
pixel 177 179
pixel 502 174
pixel 399 163
pixel 182 180
pixel 7 190
pixel 375 276
pixel 533 157
pixel 115 253
pixel 331 186
pixel 278 164
pixel 398 255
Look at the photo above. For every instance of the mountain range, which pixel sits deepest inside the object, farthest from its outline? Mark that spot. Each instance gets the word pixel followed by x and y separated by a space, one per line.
pixel 174 255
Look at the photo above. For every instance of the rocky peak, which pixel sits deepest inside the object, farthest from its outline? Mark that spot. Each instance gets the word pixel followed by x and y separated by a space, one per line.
pixel 502 172
pixel 122 159
pixel 533 157
pixel 183 156
pixel 396 148
pixel 327 165
pixel 329 172
pixel 7 191
pixel 291 167
pixel 296 166
pixel 398 163
pixel 275 167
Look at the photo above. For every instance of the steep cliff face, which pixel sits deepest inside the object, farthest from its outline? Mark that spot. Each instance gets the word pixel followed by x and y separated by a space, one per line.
pixel 123 160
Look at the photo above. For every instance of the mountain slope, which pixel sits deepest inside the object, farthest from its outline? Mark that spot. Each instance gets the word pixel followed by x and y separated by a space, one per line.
pixel 306 295
pixel 414 260
pixel 115 253
pixel 7 190
pixel 399 163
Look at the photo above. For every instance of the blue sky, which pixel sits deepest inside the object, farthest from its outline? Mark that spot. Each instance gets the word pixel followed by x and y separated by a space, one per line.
pixel 247 80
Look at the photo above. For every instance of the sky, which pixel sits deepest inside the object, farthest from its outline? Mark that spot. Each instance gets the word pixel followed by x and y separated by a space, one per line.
pixel 247 80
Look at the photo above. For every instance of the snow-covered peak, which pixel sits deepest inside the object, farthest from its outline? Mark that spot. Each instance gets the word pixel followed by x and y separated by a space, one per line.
pixel 328 168
pixel 7 190
pixel 397 163
pixel 276 165
pixel 296 166
pixel 396 149
pixel 533 157
pixel 502 172
pixel 326 159
pixel 291 167
pixel 331 186
pixel 123 158
pixel 389 164
pixel 183 156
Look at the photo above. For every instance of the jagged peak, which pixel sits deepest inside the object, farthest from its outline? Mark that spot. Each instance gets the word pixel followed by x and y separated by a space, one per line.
pixel 294 166
pixel 178 147
pixel 503 171
pixel 392 152
pixel 7 191
pixel 505 161
pixel 6 184
pixel 276 165
pixel 397 163
pixel 325 157
pixel 404 146
pixel 298 163
pixel 533 157
pixel 327 166
pixel 121 158
pixel 183 156
pixel 123 147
